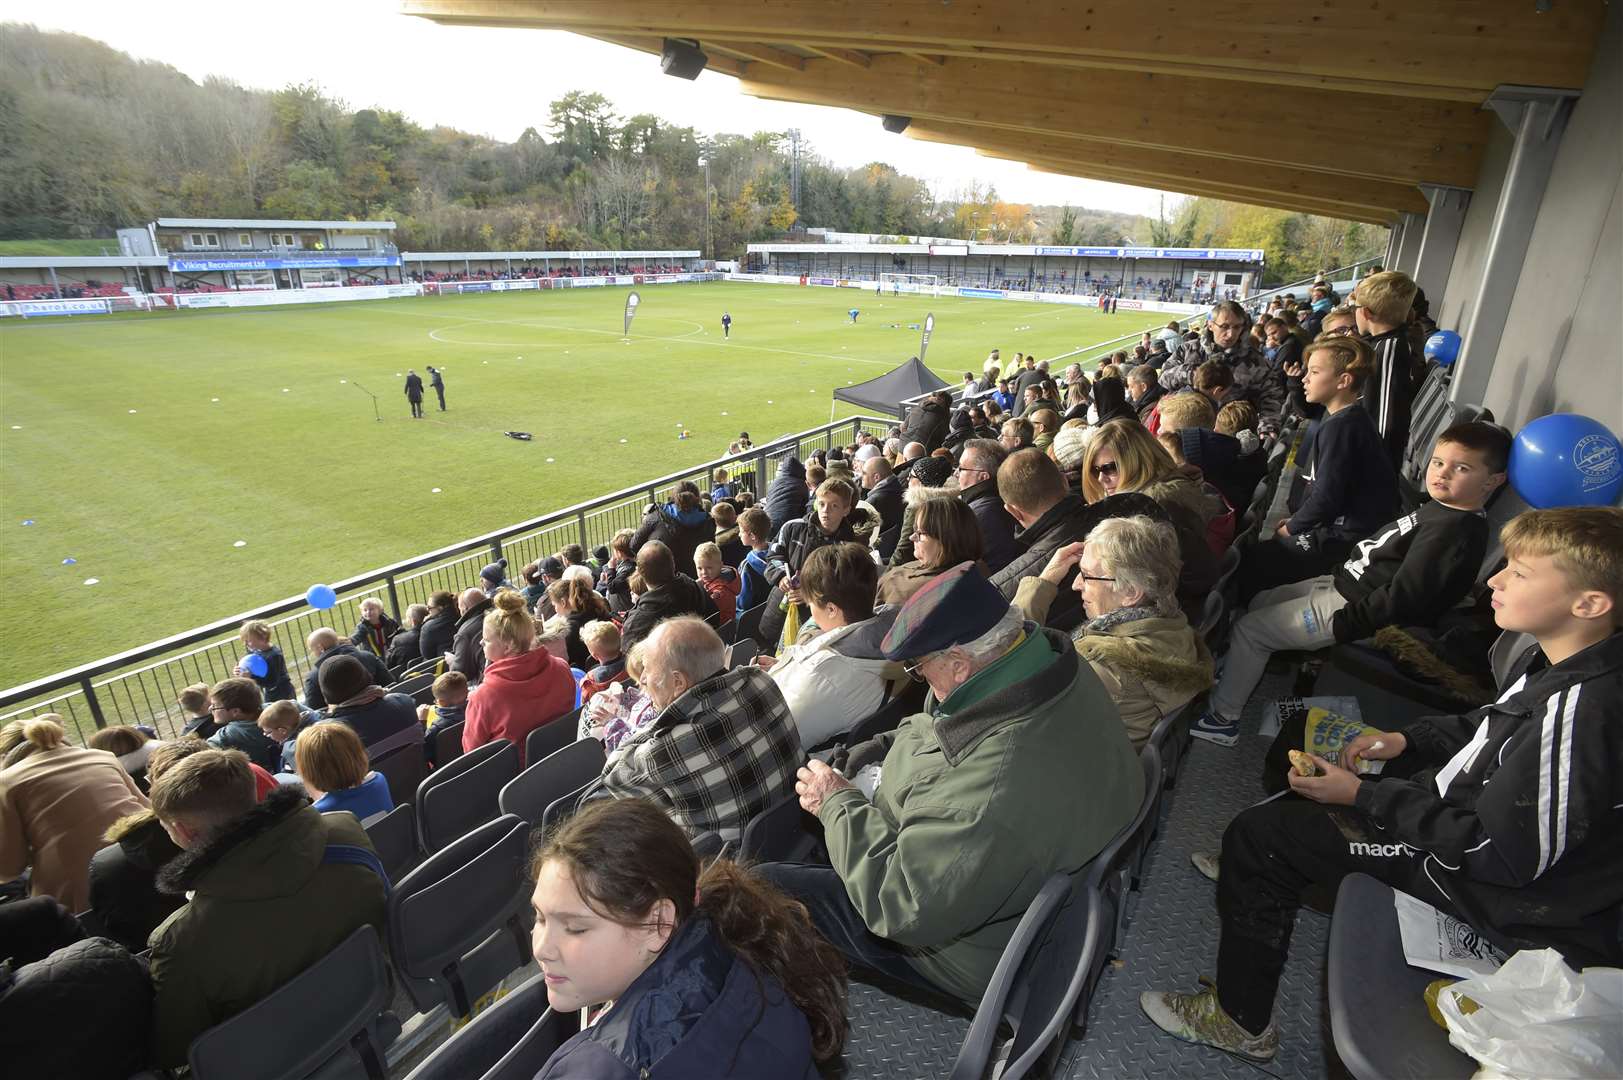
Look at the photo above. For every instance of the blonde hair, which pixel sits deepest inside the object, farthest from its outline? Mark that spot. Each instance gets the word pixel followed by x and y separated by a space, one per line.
pixel 1108 371
pixel 1179 411
pixel 1387 296
pixel 1140 460
pixel 1349 355
pixel 601 630
pixel 258 628
pixel 706 552
pixel 719 476
pixel 20 738
pixel 509 623
pixel 1235 417
pixel 283 713
pixel 330 756
pixel 1585 543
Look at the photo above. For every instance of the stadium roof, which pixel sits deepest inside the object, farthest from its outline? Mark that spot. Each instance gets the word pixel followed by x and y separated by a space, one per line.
pixel 1337 109
pixel 265 223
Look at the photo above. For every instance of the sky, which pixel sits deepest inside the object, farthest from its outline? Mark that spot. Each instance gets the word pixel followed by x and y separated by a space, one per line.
pixel 499 82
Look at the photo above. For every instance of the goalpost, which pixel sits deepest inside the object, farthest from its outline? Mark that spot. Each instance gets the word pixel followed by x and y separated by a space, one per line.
pixel 911 283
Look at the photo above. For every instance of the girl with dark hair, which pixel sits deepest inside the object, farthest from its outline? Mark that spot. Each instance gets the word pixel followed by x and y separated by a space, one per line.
pixel 945 533
pixel 710 973
pixel 576 600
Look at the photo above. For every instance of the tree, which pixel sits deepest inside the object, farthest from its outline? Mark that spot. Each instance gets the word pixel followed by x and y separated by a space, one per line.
pixel 583 123
pixel 1065 232
pixel 308 191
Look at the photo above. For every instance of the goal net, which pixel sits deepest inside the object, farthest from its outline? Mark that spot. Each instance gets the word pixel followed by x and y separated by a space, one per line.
pixel 910 283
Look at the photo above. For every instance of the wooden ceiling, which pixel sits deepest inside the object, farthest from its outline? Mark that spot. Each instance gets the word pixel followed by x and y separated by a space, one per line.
pixel 1326 107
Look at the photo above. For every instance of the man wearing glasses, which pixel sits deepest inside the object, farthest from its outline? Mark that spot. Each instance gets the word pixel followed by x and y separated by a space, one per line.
pixel 1018 767
pixel 977 487
pixel 1255 379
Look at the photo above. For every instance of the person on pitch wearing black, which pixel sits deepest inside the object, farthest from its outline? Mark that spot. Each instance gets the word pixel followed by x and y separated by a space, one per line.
pixel 726 324
pixel 414 394
pixel 437 381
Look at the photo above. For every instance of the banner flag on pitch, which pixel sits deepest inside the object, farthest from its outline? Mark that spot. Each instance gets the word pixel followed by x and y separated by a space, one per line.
pixel 632 300
pixel 924 344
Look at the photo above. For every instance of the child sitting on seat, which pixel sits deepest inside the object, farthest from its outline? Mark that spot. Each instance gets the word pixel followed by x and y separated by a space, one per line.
pixel 1406 573
pixel 282 722
pixel 718 579
pixel 450 707
pixel 194 701
pixel 602 640
pixel 332 762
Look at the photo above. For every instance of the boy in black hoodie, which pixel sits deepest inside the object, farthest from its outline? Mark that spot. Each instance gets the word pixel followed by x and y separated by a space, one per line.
pixel 1407 572
pixel 1509 817
pixel 1351 484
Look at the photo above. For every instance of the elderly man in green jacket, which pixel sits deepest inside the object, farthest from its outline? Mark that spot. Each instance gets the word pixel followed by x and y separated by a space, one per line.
pixel 273 888
pixel 1018 767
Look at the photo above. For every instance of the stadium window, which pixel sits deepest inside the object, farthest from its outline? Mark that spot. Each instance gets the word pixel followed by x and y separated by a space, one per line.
pixel 211 240
pixel 195 239
pixel 245 240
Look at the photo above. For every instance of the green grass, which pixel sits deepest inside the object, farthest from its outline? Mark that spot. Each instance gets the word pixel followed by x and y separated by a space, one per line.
pixel 107 246
pixel 290 459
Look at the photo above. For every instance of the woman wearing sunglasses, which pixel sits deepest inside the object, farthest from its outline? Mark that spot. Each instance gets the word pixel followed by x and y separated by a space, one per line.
pixel 1124 456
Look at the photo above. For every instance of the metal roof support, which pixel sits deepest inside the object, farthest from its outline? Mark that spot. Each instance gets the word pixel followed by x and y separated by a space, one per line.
pixel 1537 116
pixel 1439 239
pixel 1408 246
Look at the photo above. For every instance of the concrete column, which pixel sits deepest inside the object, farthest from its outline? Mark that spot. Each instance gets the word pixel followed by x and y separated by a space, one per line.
pixel 1408 251
pixel 1538 117
pixel 1439 239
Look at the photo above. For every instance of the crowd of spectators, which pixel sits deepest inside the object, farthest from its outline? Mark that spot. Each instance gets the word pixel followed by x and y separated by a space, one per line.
pixel 1018 574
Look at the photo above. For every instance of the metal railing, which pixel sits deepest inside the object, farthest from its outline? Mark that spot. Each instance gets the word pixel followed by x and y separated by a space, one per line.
pixel 140 685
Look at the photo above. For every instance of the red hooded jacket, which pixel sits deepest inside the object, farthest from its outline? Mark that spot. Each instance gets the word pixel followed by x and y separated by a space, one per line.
pixel 518 695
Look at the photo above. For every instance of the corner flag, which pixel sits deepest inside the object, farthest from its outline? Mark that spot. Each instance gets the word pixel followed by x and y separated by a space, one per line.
pixel 632 300
pixel 924 344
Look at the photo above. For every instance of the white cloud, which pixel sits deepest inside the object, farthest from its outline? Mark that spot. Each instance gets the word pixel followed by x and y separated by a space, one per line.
pixel 499 82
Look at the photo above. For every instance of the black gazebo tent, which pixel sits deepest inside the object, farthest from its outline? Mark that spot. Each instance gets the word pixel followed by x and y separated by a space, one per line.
pixel 886 393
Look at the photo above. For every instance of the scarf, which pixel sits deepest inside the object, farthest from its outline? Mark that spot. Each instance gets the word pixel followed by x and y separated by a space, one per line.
pixel 1110 620
pixel 365 697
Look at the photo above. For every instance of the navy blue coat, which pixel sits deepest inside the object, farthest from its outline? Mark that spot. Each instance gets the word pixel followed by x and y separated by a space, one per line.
pixel 697 1013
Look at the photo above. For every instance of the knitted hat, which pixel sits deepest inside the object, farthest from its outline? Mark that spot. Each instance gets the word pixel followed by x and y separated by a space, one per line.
pixel 342 678
pixel 496 572
pixel 955 606
pixel 1071 445
pixel 932 471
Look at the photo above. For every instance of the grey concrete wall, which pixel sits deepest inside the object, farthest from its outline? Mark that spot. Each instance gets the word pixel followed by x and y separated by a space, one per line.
pixel 1562 349
pixel 1455 310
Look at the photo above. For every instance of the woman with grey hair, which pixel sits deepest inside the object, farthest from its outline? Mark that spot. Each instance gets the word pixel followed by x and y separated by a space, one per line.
pixel 1136 638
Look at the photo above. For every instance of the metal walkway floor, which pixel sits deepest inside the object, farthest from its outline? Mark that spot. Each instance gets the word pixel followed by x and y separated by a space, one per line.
pixel 1171 941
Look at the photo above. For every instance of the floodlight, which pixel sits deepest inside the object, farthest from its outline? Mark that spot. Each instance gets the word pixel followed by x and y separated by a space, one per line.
pixel 896 124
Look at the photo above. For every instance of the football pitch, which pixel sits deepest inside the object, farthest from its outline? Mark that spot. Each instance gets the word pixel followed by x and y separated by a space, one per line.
pixel 193 464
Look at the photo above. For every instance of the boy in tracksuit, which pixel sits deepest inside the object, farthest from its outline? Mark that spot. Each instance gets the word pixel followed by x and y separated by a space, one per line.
pixel 1406 573
pixel 1352 486
pixel 755 530
pixel 1509 817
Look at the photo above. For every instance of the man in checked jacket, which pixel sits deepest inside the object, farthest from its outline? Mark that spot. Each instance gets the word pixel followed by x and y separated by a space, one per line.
pixel 724 746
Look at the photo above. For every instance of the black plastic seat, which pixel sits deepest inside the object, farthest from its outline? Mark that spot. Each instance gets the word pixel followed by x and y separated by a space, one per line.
pixel 1115 869
pixel 551 737
pixel 419 686
pixel 404 769
pixel 1171 737
pixel 1055 990
pixel 563 808
pixel 742 652
pixel 459 796
pixel 783 832
pixel 448 743
pixel 529 793
pixel 1378 1018
pixel 324 1023
pixel 456 923
pixel 511 1040
pixel 394 837
pixel 749 624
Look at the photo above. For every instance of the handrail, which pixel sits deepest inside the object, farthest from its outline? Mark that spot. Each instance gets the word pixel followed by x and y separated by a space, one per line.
pixel 757 457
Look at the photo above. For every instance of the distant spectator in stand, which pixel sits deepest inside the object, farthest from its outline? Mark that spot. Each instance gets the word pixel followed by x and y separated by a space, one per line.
pixel 56 801
pixel 1110 401
pixel 723 747
pixel 210 959
pixel 384 721
pixel 977 487
pixel 1143 391
pixel 1239 419
pixel 1017 434
pixel 928 475
pixel 375 629
pixel 927 421
pixel 494 578
pixel 404 650
pixel 1217 459
pixel 1044 424
pixel 236 705
pixel 732 548
pixel 524 687
pixel 194 702
pixel 467 652
pixel 883 492
pixel 830 521
pixel 668 594
pixel 324 646
pixel 276 684
pixel 614 578
pixel 281 722
pixel 680 524
pixel 787 497
pixel 608 667
pixel 132 746
pixel 576 600
pixel 722 486
pixel 1004 396
pixel 450 707
pixel 754 528
pixel 1253 377
pixel 1382 305
pixel 332 763
pixel 439 629
pixel 945 534
pixel 719 580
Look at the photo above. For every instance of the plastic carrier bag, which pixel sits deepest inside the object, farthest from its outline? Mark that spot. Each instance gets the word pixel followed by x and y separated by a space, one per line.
pixel 1537 1018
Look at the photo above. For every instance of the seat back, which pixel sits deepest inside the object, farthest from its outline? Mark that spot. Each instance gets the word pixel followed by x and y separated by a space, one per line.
pixel 404 768
pixel 1211 619
pixel 456 797
pixel 742 652
pixel 394 838
pixel 326 1021
pixel 456 925
pixel 780 833
pixel 888 716
pixel 1009 978
pixel 1111 872
pixel 1171 737
pixel 551 737
pixel 510 1040
pixel 448 743
pixel 529 793
pixel 562 808
pixel 749 622
pixel 1057 986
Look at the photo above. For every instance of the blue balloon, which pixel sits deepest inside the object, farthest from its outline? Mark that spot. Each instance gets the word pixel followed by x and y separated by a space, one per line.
pixel 1443 347
pixel 255 665
pixel 321 597
pixel 1566 460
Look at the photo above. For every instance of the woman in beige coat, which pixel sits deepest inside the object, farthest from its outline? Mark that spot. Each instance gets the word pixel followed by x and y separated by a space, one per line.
pixel 56 802
pixel 1136 639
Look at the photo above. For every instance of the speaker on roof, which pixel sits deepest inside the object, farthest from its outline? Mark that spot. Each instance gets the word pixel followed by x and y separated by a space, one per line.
pixel 684 59
pixel 895 124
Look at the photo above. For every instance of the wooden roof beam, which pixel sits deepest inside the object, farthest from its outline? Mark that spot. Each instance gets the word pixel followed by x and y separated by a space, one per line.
pixel 925 59
pixel 1448 44
pixel 757 54
pixel 842 56
pixel 724 64
pixel 1434 142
